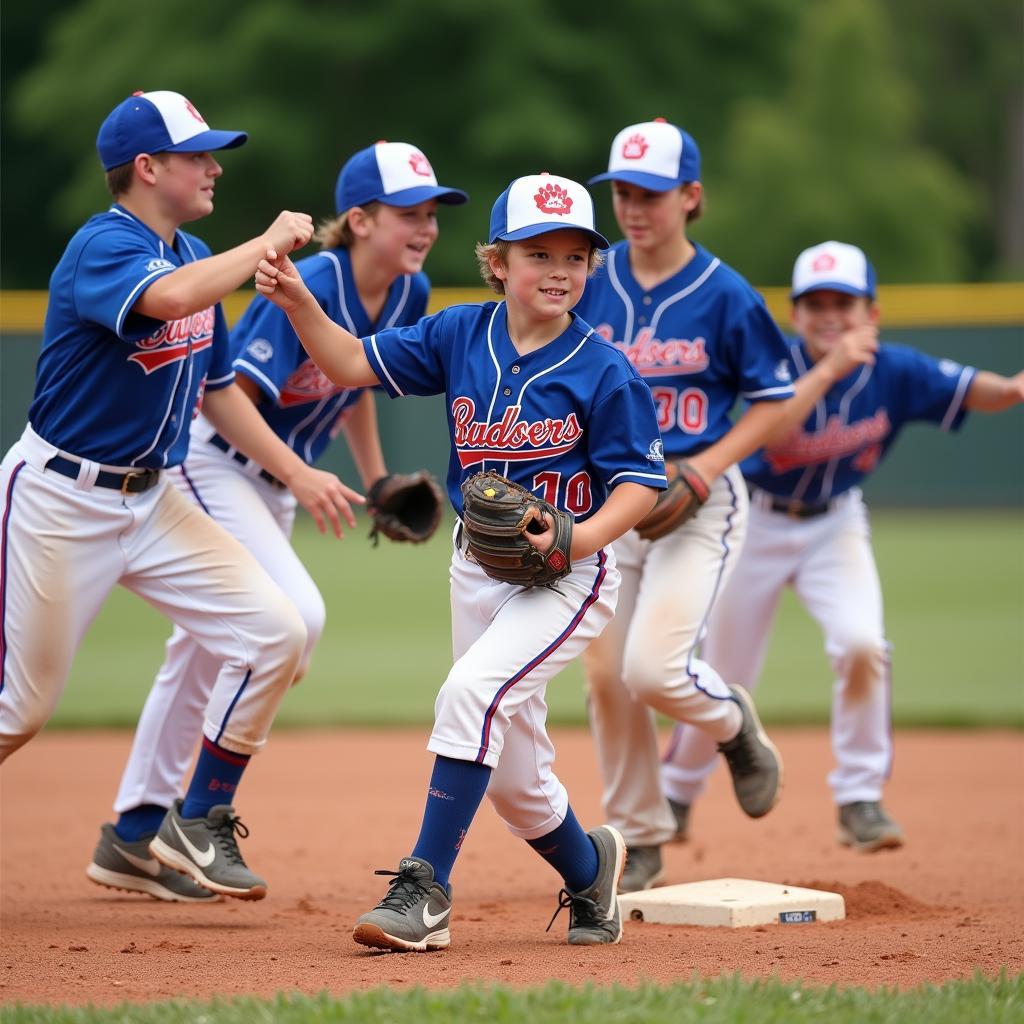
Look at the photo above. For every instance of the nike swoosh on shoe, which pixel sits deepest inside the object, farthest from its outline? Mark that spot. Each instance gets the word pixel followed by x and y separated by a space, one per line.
pixel 430 919
pixel 204 858
pixel 150 865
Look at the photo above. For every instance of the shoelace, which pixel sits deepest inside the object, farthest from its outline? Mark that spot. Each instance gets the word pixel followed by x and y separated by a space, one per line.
pixel 224 836
pixel 583 911
pixel 405 890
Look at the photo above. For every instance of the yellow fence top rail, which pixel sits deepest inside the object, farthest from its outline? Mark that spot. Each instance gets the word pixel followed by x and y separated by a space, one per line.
pixel 902 305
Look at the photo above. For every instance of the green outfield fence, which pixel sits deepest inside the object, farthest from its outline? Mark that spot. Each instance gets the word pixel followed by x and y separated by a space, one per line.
pixel 981 325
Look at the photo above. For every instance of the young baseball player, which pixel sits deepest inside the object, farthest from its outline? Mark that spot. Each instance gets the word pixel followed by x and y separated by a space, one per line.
pixel 809 526
pixel 534 395
pixel 701 338
pixel 369 275
pixel 134 335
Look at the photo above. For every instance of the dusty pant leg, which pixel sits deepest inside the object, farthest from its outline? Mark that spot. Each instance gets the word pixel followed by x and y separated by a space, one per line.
pixel 683 574
pixel 838 583
pixel 736 641
pixel 60 559
pixel 183 563
pixel 625 737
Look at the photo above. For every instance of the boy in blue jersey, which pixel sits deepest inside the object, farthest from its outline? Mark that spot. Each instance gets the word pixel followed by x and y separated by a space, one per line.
pixel 701 338
pixel 809 526
pixel 134 336
pixel 533 394
pixel 369 274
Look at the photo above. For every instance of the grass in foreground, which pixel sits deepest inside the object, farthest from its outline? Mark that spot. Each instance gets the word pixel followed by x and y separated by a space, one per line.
pixel 726 1000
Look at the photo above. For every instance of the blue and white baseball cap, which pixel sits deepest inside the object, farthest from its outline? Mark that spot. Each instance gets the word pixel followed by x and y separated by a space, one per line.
pixel 833 266
pixel 158 122
pixel 538 203
pixel 393 173
pixel 654 155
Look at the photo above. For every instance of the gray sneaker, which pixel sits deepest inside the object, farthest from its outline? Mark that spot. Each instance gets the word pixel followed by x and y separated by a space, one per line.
pixel 681 812
pixel 865 826
pixel 754 762
pixel 594 917
pixel 643 869
pixel 414 915
pixel 206 850
pixel 118 864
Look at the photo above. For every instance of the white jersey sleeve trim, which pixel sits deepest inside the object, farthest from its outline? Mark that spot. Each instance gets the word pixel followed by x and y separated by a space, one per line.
pixel 966 376
pixel 380 363
pixel 126 307
pixel 766 392
pixel 218 382
pixel 259 375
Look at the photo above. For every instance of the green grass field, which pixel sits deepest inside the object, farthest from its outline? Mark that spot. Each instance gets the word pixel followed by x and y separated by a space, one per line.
pixel 954 590
pixel 715 1001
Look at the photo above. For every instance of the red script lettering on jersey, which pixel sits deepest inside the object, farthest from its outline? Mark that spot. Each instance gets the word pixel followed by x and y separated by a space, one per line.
pixel 835 441
pixel 655 358
pixel 176 340
pixel 511 439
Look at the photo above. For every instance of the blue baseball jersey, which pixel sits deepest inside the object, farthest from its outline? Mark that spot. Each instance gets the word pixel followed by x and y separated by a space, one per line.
pixel 700 339
pixel 112 385
pixel 857 420
pixel 568 421
pixel 303 407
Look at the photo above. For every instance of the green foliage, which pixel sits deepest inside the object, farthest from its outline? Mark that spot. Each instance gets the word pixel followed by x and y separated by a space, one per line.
pixel 807 119
pixel 953 583
pixel 836 157
pixel 723 1000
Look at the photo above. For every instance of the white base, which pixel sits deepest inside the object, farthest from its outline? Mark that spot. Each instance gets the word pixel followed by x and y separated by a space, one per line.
pixel 732 903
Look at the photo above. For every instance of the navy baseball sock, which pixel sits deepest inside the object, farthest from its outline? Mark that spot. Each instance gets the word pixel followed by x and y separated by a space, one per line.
pixel 456 789
pixel 140 821
pixel 570 852
pixel 218 772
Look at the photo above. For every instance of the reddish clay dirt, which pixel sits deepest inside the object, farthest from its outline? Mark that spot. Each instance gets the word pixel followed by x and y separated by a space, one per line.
pixel 326 808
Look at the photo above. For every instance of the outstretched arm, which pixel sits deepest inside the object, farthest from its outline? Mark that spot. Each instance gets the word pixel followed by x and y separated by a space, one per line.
pixel 991 392
pixel 199 285
pixel 337 352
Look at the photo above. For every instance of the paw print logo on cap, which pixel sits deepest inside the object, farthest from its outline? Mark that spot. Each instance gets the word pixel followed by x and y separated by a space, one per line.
pixel 826 261
pixel 420 165
pixel 553 198
pixel 635 147
pixel 195 113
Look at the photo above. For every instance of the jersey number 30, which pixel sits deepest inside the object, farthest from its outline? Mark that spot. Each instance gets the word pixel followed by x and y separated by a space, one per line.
pixel 686 409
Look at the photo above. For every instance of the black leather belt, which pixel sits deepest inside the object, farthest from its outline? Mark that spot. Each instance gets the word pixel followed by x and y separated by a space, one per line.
pixel 218 442
pixel 798 509
pixel 135 481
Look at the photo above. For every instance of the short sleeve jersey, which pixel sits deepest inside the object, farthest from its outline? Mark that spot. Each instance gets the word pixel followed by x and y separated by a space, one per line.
pixel 856 422
pixel 303 407
pixel 112 385
pixel 701 339
pixel 569 421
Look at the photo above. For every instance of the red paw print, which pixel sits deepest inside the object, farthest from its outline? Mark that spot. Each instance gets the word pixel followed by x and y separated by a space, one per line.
pixel 634 147
pixel 553 198
pixel 420 165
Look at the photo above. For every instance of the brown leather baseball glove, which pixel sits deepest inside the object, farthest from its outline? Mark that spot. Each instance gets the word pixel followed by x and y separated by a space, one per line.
pixel 496 514
pixel 687 491
pixel 405 507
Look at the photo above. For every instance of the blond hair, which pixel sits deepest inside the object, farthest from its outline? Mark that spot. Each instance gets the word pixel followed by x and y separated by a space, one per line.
pixel 501 249
pixel 336 232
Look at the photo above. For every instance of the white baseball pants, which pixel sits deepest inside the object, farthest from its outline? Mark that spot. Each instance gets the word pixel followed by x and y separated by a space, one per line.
pixel 508 644
pixel 646 660
pixel 65 544
pixel 260 516
pixel 829 563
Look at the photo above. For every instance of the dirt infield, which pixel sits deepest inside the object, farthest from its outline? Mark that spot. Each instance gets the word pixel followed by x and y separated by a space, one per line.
pixel 326 808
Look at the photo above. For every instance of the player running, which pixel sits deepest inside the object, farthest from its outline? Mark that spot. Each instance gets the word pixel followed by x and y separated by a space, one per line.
pixel 534 395
pixel 134 335
pixel 368 275
pixel 700 337
pixel 809 525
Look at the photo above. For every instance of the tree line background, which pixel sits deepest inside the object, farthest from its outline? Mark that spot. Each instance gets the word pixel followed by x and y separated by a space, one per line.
pixel 898 127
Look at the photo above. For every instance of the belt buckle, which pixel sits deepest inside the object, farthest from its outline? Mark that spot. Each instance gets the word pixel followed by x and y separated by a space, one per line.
pixel 126 481
pixel 794 511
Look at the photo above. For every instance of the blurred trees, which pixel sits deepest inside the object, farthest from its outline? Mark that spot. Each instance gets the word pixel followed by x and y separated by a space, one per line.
pixel 815 120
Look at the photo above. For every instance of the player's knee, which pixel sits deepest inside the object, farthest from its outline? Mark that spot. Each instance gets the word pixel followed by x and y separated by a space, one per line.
pixel 644 679
pixel 863 666
pixel 314 614
pixel 18 730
